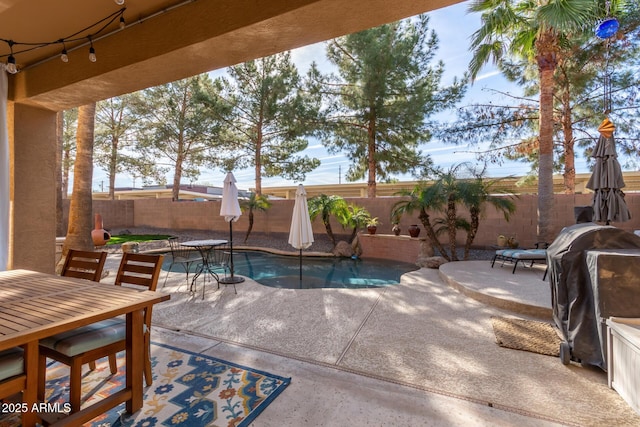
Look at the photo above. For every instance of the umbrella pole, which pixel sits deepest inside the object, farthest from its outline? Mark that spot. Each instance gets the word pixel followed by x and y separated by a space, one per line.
pixel 231 279
pixel 300 268
pixel 231 248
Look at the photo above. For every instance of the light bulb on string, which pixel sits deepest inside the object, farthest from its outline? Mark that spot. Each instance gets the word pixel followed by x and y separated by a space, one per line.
pixel 119 2
pixel 63 55
pixel 11 60
pixel 122 23
pixel 92 52
pixel 11 65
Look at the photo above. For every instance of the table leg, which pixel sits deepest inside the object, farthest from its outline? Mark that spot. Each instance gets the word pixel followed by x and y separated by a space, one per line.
pixel 29 394
pixel 135 360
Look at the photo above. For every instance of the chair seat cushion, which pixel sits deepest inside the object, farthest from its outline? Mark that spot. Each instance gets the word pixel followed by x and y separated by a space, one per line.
pixel 530 254
pixel 87 338
pixel 507 253
pixel 522 254
pixel 11 363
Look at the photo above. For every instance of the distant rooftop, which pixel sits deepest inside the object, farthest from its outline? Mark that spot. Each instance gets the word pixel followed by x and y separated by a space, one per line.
pixel 194 192
pixel 204 192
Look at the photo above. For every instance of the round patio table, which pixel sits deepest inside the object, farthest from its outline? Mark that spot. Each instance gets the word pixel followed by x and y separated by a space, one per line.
pixel 204 247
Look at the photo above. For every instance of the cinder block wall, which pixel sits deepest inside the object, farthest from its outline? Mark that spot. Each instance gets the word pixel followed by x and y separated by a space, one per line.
pixel 400 248
pixel 189 215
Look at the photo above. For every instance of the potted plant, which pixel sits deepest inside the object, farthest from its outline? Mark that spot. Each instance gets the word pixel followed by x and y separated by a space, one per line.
pixel 372 225
pixel 396 229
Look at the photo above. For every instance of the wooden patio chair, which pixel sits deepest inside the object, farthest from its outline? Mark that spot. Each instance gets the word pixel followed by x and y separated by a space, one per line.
pixel 84 265
pixel 106 338
pixel 12 376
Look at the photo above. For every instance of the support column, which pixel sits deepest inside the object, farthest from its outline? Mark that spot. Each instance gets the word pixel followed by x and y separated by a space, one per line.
pixel 32 149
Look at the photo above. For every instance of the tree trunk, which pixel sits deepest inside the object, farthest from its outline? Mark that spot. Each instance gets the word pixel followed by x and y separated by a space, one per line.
pixel 258 167
pixel 452 227
pixel 246 236
pixel 569 153
pixel 426 223
pixel 177 176
pixel 80 210
pixel 66 159
pixel 59 198
pixel 547 62
pixel 474 213
pixel 113 165
pixel 371 160
pixel 327 226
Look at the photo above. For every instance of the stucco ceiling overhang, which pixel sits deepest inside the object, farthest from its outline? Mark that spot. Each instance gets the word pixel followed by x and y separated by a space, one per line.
pixel 168 40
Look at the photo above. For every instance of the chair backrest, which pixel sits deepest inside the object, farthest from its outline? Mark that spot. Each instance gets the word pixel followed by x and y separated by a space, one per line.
pixel 140 270
pixel 178 252
pixel 84 264
pixel 218 256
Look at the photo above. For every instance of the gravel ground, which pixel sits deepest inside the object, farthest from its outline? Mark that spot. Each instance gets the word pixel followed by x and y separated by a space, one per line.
pixel 273 240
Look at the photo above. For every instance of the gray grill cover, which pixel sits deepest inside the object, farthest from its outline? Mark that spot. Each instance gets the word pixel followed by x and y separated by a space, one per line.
pixel 574 301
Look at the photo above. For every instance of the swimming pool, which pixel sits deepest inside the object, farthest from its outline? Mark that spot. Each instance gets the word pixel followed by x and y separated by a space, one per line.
pixel 280 271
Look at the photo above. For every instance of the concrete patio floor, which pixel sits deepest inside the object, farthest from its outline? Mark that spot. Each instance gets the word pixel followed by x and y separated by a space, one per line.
pixel 419 353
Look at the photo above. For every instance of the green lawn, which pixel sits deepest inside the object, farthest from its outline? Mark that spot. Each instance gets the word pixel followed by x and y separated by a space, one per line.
pixel 118 240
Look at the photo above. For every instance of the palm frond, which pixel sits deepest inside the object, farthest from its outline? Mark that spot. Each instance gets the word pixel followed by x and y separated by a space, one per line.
pixel 567 15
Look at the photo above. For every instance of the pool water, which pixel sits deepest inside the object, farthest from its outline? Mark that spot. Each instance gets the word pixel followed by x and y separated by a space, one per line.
pixel 279 271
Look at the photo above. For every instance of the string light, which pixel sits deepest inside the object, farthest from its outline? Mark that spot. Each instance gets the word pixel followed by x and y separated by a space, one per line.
pixel 63 54
pixel 92 52
pixel 100 27
pixel 11 60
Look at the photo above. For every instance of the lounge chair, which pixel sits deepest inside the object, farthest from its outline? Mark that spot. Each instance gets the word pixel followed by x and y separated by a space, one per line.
pixel 522 255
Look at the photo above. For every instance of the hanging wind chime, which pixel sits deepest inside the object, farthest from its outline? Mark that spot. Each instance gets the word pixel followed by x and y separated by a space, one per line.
pixel 605 30
pixel 606 181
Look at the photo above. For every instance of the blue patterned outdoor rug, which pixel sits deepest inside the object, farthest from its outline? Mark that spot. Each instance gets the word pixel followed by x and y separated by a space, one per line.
pixel 188 389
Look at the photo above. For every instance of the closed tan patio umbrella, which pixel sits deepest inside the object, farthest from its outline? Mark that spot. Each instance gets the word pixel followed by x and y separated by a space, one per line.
pixel 230 210
pixel 606 181
pixel 301 232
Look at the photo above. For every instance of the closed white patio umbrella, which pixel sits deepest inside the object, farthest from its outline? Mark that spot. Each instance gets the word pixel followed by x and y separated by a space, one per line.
pixel 300 233
pixel 230 210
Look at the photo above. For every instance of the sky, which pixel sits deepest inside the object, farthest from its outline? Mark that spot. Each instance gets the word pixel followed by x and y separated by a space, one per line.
pixel 454 27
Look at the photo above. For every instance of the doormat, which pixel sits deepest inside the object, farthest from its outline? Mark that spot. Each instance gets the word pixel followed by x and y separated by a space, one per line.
pixel 527 335
pixel 188 389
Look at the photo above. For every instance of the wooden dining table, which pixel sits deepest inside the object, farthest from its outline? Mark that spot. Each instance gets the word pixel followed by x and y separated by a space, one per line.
pixel 36 305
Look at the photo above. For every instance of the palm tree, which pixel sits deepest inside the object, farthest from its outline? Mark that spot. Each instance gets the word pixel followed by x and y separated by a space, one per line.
pixel 535 31
pixel 355 217
pixel 80 209
pixel 447 185
pixel 475 194
pixel 420 199
pixel 325 206
pixel 252 204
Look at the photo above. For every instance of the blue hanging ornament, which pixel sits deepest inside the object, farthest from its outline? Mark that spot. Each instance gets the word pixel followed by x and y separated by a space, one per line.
pixel 607 28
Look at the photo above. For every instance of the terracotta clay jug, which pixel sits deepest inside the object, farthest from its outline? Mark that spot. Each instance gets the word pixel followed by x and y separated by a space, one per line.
pixel 414 230
pixel 99 235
